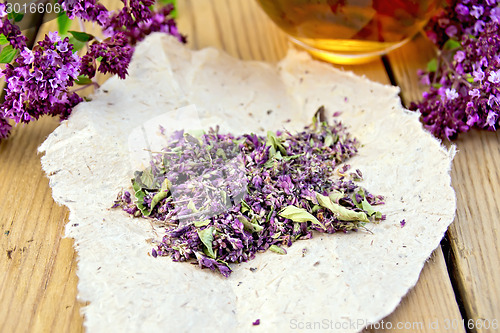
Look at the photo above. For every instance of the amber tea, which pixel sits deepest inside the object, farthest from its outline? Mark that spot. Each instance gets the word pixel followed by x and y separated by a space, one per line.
pixel 350 31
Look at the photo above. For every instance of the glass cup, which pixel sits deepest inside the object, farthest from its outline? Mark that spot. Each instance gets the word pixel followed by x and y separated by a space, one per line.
pixel 350 31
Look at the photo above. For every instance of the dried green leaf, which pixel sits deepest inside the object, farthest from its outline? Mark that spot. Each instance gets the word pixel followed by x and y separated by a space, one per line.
pixel 166 185
pixel 292 157
pixel 147 178
pixel 240 141
pixel 268 217
pixel 278 156
pixel 249 226
pixel 318 118
pixel 277 249
pixel 165 188
pixel 297 214
pixel 245 207
pixel 207 237
pixel 221 154
pixel 191 206
pixel 203 223
pixel 223 196
pixel 270 162
pixel 275 143
pixel 355 201
pixel 367 207
pixel 335 196
pixel 329 140
pixel 342 213
pixel 139 195
pixel 156 199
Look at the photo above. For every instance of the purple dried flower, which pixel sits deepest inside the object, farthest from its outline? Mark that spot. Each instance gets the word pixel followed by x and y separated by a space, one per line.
pixel 256 323
pixel 226 195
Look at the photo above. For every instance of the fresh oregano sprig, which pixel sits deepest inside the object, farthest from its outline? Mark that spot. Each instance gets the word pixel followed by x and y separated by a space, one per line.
pixel 42 80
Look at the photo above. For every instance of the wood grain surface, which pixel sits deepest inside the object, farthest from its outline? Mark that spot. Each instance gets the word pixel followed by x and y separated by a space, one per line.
pixel 474 235
pixel 38 282
pixel 37 275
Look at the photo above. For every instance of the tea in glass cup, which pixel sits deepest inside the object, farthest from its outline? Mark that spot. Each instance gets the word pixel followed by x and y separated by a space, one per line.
pixel 350 31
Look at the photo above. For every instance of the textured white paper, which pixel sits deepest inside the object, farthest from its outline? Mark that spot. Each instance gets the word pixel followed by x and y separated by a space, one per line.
pixel 342 278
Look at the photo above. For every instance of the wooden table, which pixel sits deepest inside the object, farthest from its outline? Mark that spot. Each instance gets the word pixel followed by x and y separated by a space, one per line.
pixel 38 284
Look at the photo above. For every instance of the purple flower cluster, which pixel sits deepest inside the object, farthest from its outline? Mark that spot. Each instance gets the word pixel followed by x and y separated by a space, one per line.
pixel 17 41
pixel 462 18
pixel 464 81
pixel 135 20
pixel 158 21
pixel 11 31
pixel 114 55
pixel 223 199
pixel 88 10
pixel 38 80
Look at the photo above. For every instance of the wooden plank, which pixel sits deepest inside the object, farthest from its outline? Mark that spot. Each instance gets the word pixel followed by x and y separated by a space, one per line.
pixel 429 307
pixel 33 259
pixel 473 236
pixel 405 62
pixel 38 285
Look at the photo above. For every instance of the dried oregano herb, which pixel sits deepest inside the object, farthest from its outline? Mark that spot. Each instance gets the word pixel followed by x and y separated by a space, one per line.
pixel 223 198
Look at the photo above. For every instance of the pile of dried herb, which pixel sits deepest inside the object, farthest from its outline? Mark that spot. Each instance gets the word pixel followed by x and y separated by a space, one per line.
pixel 222 198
